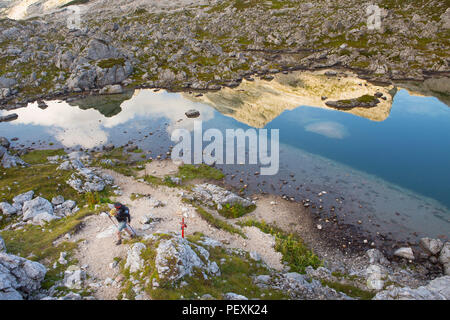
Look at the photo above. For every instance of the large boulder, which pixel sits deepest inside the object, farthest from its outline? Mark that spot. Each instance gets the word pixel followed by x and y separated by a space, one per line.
pixel 64 60
pixel 20 199
pixel 134 260
pixel 100 64
pixel 114 74
pixel 71 165
pixel 10 161
pixel 74 278
pixel 44 217
pixel 19 277
pixel 437 289
pixel 432 246
pixel 405 252
pixel 7 209
pixel 4 142
pixel 7 82
pixel 303 287
pixel 98 49
pixel 83 77
pixel 5 92
pixel 86 180
pixel 35 207
pixel 375 277
pixel 207 192
pixel 176 258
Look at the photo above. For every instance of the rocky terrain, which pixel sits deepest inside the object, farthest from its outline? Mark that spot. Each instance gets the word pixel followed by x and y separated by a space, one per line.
pixel 210 44
pixel 57 242
pixel 56 238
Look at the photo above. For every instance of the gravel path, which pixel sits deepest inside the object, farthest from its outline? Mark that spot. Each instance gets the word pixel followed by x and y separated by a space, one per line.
pixel 98 248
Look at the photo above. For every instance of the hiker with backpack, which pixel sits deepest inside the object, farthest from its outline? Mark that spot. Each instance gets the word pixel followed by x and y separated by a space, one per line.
pixel 122 215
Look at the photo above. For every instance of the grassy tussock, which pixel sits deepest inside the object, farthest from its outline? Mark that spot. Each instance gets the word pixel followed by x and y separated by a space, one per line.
pixel 218 223
pixel 297 255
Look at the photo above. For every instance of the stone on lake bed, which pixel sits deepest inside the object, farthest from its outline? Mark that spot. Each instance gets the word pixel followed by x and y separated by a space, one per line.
pixel 9 117
pixel 192 113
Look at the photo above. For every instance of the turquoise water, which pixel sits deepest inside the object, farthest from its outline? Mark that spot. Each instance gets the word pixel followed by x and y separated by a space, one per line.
pixel 394 174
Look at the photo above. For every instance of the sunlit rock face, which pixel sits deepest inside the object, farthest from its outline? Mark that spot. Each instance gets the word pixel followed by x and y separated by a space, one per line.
pixel 258 102
pixel 21 9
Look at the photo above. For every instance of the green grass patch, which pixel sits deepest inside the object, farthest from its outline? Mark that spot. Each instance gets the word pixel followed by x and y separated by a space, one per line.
pixel 166 181
pixel 32 240
pixel 294 251
pixel 349 290
pixel 366 98
pixel 37 242
pixel 120 162
pixel 233 211
pixel 96 198
pixel 109 63
pixel 202 171
pixel 135 196
pixel 153 180
pixel 218 223
pixel 40 156
pixel 44 180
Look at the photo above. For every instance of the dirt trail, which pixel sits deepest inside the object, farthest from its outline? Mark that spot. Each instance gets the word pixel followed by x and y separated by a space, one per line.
pixel 98 249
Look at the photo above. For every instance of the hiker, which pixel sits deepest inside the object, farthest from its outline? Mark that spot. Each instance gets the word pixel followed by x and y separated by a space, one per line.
pixel 122 214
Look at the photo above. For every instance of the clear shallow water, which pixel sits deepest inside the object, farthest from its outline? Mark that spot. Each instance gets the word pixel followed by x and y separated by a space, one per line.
pixel 392 175
pixel 411 148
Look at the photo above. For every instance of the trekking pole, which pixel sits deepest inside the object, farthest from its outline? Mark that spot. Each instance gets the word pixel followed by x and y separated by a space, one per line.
pixel 111 220
pixel 132 229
